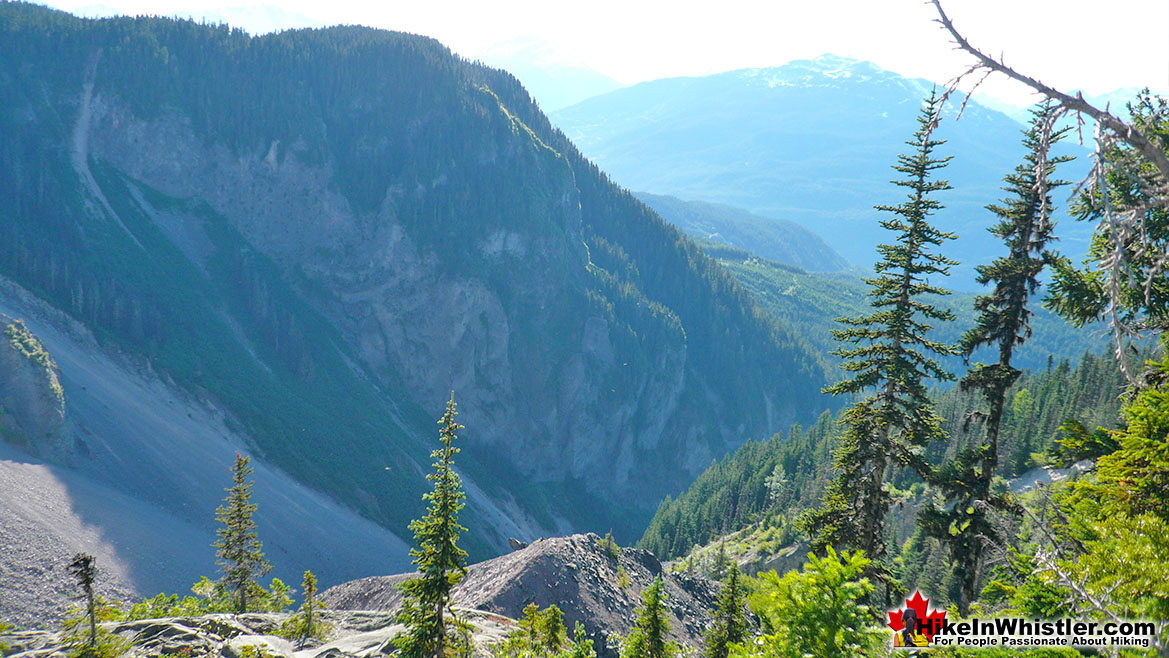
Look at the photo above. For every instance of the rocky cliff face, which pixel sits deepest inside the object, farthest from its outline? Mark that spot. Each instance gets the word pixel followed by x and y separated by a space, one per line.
pixel 324 233
pixel 505 323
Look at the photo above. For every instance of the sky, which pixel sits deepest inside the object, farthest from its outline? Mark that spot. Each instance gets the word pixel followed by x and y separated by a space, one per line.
pixel 1096 47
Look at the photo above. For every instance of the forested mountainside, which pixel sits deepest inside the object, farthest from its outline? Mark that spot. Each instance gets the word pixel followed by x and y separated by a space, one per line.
pixel 811 142
pixel 811 302
pixel 321 233
pixel 773 239
pixel 773 481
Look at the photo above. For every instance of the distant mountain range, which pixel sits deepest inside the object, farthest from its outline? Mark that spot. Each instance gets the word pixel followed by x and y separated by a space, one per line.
pixel 812 142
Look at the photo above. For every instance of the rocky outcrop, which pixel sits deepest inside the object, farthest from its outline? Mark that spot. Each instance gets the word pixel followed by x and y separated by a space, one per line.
pixel 575 573
pixel 349 635
pixel 593 583
pixel 32 401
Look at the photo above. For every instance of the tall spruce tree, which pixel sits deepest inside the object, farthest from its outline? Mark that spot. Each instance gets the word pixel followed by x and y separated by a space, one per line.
pixel 729 625
pixel 238 551
pixel 892 358
pixel 648 637
pixel 440 561
pixel 1003 322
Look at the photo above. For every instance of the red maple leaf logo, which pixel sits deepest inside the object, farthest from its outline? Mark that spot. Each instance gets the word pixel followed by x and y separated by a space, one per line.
pixel 931 622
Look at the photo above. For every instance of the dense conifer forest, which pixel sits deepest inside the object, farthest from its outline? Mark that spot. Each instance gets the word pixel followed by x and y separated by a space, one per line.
pixel 743 489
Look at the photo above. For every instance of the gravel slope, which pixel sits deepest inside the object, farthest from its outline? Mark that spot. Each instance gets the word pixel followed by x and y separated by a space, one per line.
pixel 140 494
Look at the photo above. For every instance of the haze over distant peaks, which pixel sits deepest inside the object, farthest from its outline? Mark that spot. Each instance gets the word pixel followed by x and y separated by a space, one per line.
pixel 1115 101
pixel 811 141
pixel 554 79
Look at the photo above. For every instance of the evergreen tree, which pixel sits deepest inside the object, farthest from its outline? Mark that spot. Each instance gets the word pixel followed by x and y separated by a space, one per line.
pixel 306 625
pixel 550 633
pixel 542 634
pixel 309 587
pixel 1134 479
pixel 81 636
pixel 238 551
pixel 1123 280
pixel 729 625
pixel 84 568
pixel 582 644
pixel 1003 322
pixel 718 570
pixel 441 563
pixel 648 638
pixel 892 359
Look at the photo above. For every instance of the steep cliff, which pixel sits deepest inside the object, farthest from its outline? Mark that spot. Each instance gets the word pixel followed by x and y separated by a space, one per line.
pixel 324 232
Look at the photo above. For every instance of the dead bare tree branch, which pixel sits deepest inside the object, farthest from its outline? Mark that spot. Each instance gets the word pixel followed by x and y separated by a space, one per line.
pixel 1122 150
pixel 1126 132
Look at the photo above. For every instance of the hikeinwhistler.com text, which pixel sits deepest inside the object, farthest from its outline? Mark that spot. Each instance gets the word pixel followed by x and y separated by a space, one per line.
pixel 1019 632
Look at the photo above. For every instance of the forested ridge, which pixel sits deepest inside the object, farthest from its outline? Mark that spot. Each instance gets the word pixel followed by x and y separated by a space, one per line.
pixel 379 129
pixel 812 301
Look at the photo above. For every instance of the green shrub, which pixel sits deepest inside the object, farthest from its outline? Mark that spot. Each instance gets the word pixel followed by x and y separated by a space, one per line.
pixel 819 612
pixel 609 546
pixel 253 651
pixel 210 598
pixel 542 634
pixel 622 578
pixel 77 640
pixel 5 627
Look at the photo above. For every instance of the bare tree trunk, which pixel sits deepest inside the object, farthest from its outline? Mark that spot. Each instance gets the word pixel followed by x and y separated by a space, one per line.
pixel 92 617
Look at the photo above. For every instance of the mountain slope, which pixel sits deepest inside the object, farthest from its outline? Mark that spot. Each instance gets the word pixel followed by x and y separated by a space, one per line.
pixel 324 232
pixel 139 487
pixel 773 239
pixel 811 141
pixel 811 302
pixel 764 486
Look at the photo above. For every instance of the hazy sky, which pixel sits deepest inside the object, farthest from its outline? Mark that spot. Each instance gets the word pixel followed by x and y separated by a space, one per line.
pixel 1094 46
